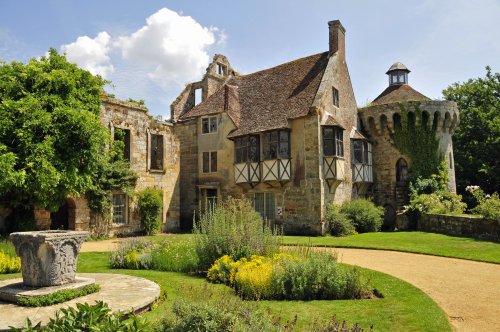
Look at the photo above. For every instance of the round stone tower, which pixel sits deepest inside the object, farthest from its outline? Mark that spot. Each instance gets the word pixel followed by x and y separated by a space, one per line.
pixel 410 133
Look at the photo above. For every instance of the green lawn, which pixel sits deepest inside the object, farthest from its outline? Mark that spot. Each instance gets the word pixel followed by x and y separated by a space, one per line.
pixel 403 308
pixel 417 242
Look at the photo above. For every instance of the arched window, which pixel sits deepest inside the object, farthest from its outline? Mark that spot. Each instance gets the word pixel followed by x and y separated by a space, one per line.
pixel 401 171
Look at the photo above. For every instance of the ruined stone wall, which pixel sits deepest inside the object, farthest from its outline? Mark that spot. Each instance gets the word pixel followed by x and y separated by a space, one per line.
pixel 210 83
pixel 187 134
pixel 124 115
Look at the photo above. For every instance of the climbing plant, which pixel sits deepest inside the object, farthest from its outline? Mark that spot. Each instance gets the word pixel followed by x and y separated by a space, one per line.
pixel 418 142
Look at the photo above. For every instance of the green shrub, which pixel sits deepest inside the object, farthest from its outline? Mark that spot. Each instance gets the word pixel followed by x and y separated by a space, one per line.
pixel 132 254
pixel 364 215
pixel 489 208
pixel 9 262
pixel 232 228
pixel 424 186
pixel 150 205
pixel 441 202
pixel 57 297
pixel 174 257
pixel 86 317
pixel 338 223
pixel 333 325
pixel 218 311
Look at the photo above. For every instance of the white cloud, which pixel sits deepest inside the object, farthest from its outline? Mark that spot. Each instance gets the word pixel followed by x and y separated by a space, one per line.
pixel 172 47
pixel 91 54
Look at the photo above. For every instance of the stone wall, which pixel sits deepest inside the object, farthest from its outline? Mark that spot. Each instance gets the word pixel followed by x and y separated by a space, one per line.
pixel 466 226
pixel 133 117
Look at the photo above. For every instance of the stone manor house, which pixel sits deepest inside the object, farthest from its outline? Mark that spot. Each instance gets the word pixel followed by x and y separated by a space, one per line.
pixel 290 138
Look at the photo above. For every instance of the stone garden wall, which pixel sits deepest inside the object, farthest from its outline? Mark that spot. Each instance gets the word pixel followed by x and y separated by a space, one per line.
pixel 466 226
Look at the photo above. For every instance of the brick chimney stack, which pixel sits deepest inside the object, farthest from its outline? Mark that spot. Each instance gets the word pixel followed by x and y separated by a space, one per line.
pixel 337 38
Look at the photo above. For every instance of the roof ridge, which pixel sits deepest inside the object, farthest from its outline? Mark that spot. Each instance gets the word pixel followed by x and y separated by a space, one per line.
pixel 282 65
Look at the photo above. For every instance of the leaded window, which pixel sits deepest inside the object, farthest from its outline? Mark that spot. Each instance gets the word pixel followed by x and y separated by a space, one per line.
pixel 276 144
pixel 264 204
pixel 209 162
pixel 360 152
pixel 119 208
pixel 247 149
pixel 335 97
pixel 333 141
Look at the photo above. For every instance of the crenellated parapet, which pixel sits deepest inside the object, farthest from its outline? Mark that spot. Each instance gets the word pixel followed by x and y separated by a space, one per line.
pixel 382 119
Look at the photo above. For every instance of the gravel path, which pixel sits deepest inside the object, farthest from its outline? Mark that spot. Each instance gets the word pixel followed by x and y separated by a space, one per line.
pixel 467 291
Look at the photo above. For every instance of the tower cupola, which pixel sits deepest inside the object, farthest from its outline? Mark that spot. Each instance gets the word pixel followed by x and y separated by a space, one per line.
pixel 398 74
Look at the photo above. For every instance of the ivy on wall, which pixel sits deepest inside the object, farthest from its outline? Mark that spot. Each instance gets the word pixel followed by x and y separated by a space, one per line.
pixel 418 142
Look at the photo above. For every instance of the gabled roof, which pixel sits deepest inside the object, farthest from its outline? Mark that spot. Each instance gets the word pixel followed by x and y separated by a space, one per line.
pixel 398 93
pixel 267 99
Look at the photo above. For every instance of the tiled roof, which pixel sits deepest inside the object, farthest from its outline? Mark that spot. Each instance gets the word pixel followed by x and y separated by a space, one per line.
pixel 331 121
pixel 397 93
pixel 265 100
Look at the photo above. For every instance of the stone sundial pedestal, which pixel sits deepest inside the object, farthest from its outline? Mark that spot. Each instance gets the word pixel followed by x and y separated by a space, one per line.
pixel 48 258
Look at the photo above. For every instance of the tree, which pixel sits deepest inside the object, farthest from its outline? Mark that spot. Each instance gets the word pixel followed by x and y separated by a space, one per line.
pixel 476 142
pixel 51 141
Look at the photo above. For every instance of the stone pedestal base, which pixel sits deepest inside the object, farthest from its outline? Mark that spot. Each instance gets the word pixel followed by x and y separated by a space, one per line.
pixel 11 290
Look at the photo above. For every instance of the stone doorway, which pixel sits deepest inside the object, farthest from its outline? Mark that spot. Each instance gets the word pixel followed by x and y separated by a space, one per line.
pixel 64 218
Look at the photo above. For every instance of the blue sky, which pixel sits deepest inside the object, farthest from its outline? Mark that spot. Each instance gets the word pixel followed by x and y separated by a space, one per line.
pixel 151 49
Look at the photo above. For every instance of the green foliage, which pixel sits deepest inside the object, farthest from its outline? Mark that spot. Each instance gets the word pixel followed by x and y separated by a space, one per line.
pixel 174 257
pixel 302 275
pixel 87 318
pixel 21 220
pixel 363 214
pixel 57 297
pixel 150 205
pixel 232 228
pixel 131 254
pixel 440 202
pixel 424 156
pixel 338 223
pixel 476 141
pixel 140 102
pixel 218 312
pixel 51 140
pixel 9 263
pixel 488 205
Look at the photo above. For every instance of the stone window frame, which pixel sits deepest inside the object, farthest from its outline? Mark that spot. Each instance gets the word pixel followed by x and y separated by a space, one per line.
pixel 210 162
pixel 212 125
pixel 125 216
pixel 113 127
pixel 335 97
pixel 221 69
pixel 336 140
pixel 161 167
